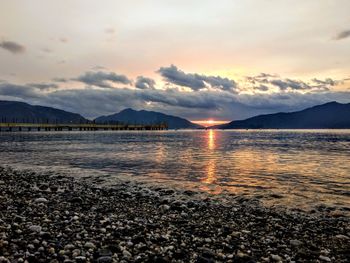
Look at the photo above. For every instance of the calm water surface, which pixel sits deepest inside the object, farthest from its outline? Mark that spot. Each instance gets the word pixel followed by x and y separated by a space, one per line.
pixel 303 168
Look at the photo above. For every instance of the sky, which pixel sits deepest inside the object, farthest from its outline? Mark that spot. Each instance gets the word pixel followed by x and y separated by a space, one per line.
pixel 220 60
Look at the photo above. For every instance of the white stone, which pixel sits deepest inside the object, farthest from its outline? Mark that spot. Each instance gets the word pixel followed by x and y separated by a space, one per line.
pixel 127 254
pixel 326 259
pixel 40 200
pixel 89 245
pixel 276 258
pixel 35 228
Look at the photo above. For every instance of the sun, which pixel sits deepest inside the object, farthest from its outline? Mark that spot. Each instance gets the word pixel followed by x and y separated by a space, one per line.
pixel 210 122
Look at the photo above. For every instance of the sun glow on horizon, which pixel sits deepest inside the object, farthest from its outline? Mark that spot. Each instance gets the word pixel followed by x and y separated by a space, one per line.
pixel 209 122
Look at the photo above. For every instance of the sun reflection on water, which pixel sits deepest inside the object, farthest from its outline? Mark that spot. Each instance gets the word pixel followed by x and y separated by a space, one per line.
pixel 211 139
pixel 209 182
pixel 298 169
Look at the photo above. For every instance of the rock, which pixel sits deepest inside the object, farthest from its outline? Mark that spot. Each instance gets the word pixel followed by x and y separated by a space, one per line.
pixel 127 254
pixel 80 259
pixel 76 200
pixel 69 247
pixel 104 252
pixel 276 258
pixel 43 187
pixel 105 259
pixel 324 258
pixel 295 243
pixel 89 245
pixel 40 200
pixel 76 252
pixel 45 235
pixel 342 237
pixel 53 188
pixel 236 234
pixel 35 228
pixel 31 246
pixel 164 208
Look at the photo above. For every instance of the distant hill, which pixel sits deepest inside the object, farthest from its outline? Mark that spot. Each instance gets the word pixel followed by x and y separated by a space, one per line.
pixel 332 115
pixel 15 111
pixel 147 117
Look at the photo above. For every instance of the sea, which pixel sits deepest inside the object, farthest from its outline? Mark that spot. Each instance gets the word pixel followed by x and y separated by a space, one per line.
pixel 303 169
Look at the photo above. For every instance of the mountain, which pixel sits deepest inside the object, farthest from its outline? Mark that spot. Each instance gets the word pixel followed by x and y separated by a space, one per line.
pixel 332 115
pixel 15 111
pixel 147 117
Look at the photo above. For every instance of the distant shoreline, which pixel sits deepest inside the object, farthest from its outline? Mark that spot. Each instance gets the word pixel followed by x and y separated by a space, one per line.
pixel 50 217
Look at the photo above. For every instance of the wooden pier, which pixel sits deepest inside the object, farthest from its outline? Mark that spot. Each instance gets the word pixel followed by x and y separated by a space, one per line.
pixel 13 126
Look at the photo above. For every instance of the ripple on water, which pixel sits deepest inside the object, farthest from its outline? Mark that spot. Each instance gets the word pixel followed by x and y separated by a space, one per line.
pixel 301 168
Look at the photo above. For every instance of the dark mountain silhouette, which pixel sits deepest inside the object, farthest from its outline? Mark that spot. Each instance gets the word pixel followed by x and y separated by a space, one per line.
pixel 332 115
pixel 15 111
pixel 147 117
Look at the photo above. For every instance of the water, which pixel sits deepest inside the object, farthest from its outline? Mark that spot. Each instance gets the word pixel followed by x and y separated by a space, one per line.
pixel 302 168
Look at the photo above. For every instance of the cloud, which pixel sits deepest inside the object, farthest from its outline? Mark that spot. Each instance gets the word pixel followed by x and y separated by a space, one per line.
pixel 144 83
pixel 18 91
pixel 267 94
pixel 327 81
pixel 290 84
pixel 91 102
pixel 62 80
pixel 264 82
pixel 262 87
pixel 173 75
pixel 195 81
pixel 220 83
pixel 342 35
pixel 43 86
pixel 103 79
pixel 12 47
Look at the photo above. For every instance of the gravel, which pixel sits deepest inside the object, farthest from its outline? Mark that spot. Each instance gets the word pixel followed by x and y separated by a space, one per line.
pixel 55 218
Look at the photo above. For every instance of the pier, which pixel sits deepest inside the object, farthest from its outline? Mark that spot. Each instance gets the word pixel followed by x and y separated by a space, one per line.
pixel 14 126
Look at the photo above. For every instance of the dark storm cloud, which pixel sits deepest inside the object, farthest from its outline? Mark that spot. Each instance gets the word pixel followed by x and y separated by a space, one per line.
pixel 144 83
pixel 12 47
pixel 342 35
pixel 102 79
pixel 195 81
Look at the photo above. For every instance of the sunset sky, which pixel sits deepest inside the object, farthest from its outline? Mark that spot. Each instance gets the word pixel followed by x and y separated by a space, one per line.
pixel 218 60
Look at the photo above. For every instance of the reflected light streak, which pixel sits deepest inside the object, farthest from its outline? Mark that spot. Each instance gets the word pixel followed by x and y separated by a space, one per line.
pixel 210 178
pixel 211 139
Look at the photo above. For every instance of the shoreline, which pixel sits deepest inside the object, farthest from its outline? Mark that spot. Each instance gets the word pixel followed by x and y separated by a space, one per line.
pixel 55 218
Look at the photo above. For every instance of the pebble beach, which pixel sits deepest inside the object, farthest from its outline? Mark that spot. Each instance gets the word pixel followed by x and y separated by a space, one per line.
pixel 56 218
